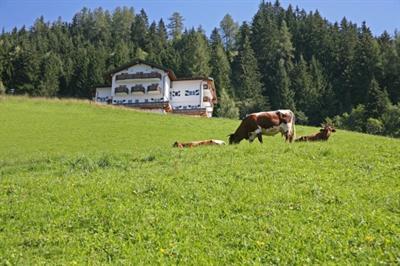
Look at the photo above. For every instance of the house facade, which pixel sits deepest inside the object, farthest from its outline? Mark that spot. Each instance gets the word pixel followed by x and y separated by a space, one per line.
pixel 144 85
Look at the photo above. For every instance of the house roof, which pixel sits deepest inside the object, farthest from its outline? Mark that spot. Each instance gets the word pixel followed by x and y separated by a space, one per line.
pixel 195 78
pixel 102 86
pixel 171 73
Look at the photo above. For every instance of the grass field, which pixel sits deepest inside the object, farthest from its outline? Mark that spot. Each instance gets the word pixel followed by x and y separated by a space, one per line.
pixel 83 184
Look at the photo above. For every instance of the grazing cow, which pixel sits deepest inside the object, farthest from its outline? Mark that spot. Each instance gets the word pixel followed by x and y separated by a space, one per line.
pixel 322 135
pixel 265 123
pixel 198 143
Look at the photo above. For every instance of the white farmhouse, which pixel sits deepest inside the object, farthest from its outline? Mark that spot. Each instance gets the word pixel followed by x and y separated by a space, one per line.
pixel 144 85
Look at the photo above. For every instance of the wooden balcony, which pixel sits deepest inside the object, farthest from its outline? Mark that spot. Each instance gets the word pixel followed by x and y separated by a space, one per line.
pixel 138 89
pixel 139 75
pixel 153 88
pixel 122 90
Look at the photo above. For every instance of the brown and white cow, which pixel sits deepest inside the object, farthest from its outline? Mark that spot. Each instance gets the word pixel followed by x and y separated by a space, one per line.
pixel 198 143
pixel 323 134
pixel 265 123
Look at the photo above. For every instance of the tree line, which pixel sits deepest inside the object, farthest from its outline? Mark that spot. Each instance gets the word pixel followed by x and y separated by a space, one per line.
pixel 283 58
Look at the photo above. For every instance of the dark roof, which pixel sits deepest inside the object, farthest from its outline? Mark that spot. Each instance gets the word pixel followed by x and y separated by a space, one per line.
pixel 102 86
pixel 171 73
pixel 195 78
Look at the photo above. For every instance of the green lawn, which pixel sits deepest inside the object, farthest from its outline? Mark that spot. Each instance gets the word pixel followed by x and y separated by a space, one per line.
pixel 85 184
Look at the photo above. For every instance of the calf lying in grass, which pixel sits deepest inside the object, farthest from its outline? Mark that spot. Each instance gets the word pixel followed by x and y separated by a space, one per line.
pixel 322 135
pixel 198 143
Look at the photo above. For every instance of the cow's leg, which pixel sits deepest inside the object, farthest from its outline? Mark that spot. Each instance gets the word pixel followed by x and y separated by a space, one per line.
pixel 259 136
pixel 254 134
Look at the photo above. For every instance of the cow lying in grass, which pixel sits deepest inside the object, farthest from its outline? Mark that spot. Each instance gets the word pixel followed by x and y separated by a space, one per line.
pixel 323 134
pixel 198 143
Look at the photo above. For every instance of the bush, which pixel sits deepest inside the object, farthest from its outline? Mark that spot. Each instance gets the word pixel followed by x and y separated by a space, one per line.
pixel 374 126
pixel 354 121
pixel 391 121
pixel 227 107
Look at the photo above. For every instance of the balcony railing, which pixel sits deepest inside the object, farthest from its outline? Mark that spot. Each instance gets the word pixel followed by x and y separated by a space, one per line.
pixel 122 89
pixel 139 75
pixel 138 89
pixel 153 88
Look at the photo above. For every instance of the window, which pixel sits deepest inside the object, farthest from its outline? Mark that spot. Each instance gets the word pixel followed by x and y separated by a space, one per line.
pixel 192 92
pixel 175 93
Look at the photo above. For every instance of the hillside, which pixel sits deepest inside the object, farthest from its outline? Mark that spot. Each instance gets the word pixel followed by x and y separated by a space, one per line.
pixel 80 183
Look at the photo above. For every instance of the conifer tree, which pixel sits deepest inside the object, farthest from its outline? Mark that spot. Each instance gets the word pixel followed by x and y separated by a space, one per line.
pixel 49 73
pixel 390 65
pixel 365 65
pixel 246 77
pixel 175 25
pixel 227 106
pixel 377 100
pixel 122 20
pixel 229 30
pixel 285 96
pixel 195 54
pixel 220 68
pixel 140 31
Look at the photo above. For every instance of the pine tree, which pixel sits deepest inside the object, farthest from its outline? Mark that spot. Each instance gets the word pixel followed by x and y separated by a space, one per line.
pixel 229 30
pixel 50 74
pixel 285 96
pixel 122 20
pixel 220 68
pixel 279 81
pixel 377 100
pixel 175 25
pixel 227 106
pixel 246 77
pixel 119 55
pixel 341 77
pixel 390 66
pixel 25 71
pixel 140 31
pixel 365 65
pixel 302 86
pixel 195 54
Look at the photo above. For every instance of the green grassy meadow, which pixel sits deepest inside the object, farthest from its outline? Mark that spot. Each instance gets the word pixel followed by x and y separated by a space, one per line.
pixel 84 184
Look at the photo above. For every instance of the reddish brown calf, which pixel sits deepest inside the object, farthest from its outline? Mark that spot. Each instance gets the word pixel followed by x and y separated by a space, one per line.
pixel 198 143
pixel 322 135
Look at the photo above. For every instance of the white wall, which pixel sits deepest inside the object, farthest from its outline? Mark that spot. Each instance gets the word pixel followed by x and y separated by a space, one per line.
pixel 135 97
pixel 186 94
pixel 102 94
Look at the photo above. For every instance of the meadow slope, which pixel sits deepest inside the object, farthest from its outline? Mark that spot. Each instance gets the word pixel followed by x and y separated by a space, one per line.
pixel 85 184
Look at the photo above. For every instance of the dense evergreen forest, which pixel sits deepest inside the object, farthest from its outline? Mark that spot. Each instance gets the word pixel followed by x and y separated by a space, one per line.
pixel 284 58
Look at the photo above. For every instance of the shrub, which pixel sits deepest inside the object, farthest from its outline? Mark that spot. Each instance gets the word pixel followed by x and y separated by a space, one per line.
pixel 374 126
pixel 391 121
pixel 227 107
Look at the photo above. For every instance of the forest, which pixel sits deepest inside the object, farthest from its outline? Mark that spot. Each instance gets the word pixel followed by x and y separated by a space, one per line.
pixel 332 72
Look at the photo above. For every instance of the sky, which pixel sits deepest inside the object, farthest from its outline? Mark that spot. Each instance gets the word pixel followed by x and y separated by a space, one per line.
pixel 380 15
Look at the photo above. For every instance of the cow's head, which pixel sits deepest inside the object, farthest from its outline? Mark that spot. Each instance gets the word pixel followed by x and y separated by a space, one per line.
pixel 283 117
pixel 234 138
pixel 327 129
pixel 177 145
